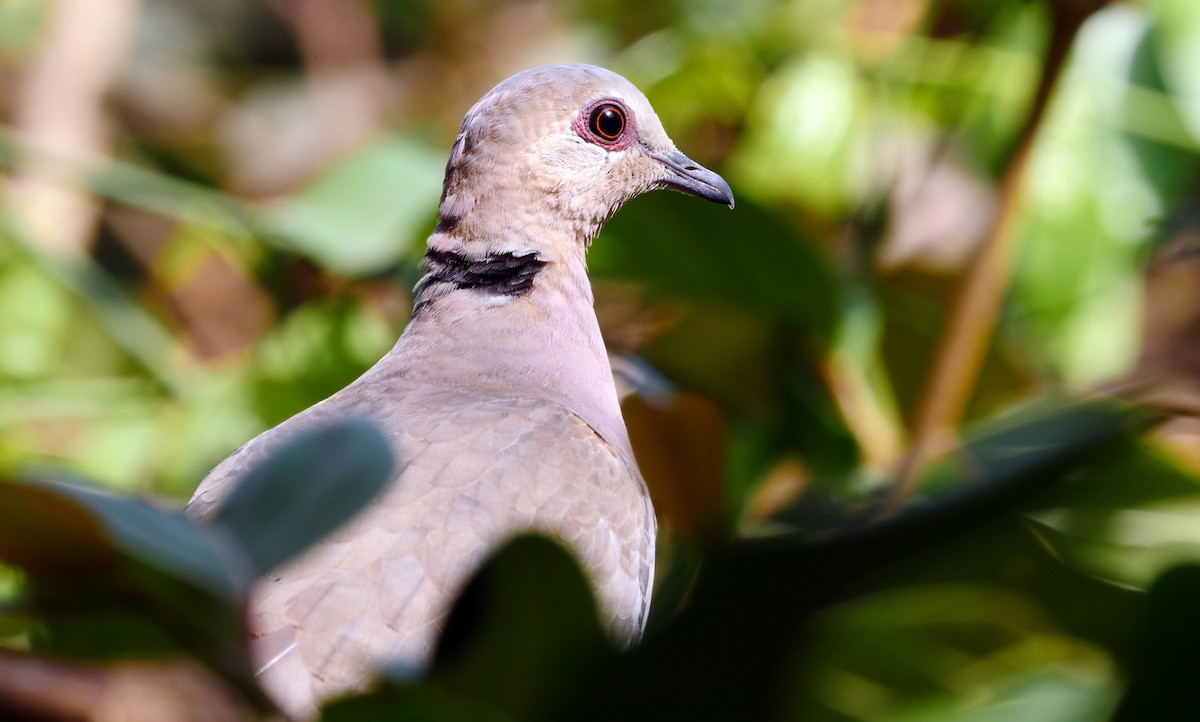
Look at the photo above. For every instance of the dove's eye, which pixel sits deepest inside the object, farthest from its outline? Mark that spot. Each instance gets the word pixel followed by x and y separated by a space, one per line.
pixel 607 121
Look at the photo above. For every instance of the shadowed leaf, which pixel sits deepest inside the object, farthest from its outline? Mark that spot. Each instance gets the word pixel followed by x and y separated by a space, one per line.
pixel 307 488
pixel 409 704
pixel 1166 678
pixel 522 632
pixel 77 547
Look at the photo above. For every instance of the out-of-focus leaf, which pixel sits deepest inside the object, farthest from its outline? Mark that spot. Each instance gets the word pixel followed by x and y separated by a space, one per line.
pixel 45 533
pixel 523 634
pixel 1051 696
pixel 1178 34
pixel 166 542
pixel 1027 447
pixel 680 445
pixel 1166 679
pixel 1160 126
pixel 749 602
pixel 1126 521
pixel 162 582
pixel 1001 462
pixel 308 487
pixel 21 24
pixel 361 215
pixel 126 323
pixel 1126 546
pixel 317 350
pixel 61 530
pixel 924 652
pixel 748 258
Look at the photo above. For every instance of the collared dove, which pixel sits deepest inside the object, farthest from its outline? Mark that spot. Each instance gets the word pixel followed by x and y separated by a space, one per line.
pixel 498 398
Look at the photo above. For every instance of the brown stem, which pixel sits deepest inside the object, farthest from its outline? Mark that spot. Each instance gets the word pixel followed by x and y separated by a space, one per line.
pixel 963 346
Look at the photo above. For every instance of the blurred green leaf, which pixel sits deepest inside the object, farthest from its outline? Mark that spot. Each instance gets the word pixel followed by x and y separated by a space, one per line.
pixel 1126 547
pixel 1050 696
pixel 309 486
pixel 21 24
pixel 1001 461
pixel 1177 31
pixel 361 215
pixel 166 542
pixel 747 258
pixel 946 651
pixel 129 325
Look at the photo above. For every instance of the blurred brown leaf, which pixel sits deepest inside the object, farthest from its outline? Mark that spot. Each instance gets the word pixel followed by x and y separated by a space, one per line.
pixel 680 446
pixel 25 515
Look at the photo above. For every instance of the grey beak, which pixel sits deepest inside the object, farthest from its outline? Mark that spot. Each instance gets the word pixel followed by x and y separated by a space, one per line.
pixel 687 176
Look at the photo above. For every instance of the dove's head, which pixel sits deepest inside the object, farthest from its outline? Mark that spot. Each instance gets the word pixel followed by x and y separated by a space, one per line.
pixel 556 151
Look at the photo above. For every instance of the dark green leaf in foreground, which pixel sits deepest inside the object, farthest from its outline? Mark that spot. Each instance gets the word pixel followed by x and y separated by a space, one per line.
pixel 308 487
pixel 410 704
pixel 114 577
pixel 521 642
pixel 78 545
pixel 1166 679
pixel 751 601
pixel 54 529
pixel 519 633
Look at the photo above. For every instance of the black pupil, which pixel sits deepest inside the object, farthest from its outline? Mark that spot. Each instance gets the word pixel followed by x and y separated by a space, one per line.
pixel 608 122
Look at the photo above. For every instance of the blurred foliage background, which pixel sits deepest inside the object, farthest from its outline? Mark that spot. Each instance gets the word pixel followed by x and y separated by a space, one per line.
pixel 213 213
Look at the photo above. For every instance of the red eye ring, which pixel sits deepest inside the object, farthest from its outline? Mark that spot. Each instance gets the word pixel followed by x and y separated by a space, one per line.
pixel 607 122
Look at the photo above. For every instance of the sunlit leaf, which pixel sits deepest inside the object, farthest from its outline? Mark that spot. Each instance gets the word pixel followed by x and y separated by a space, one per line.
pixel 945 651
pixel 1127 547
pixel 1051 696
pixel 364 213
pixel 21 23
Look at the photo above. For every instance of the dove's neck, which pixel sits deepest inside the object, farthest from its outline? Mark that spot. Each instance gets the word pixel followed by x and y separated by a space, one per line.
pixel 513 321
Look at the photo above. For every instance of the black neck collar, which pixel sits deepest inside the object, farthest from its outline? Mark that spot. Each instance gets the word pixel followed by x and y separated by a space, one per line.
pixel 506 274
